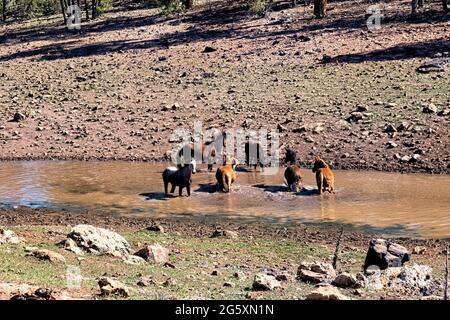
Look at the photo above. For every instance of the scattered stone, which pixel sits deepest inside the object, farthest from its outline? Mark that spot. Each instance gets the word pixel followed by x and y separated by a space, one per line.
pixel 444 112
pixel 154 253
pixel 229 284
pixel 391 144
pixel 326 293
pixel 169 282
pixel 405 158
pixel 404 126
pixel 384 254
pixel 156 228
pixel 38 294
pixel 316 272
pixel 8 236
pixel 99 240
pixel 439 64
pixel 355 117
pixel 209 49
pixel 18 116
pixel 265 282
pixel 110 286
pixel 145 282
pixel 71 245
pixel 44 254
pixel 225 233
pixel 390 128
pixel 430 108
pixel 133 260
pixel 419 250
pixel 215 273
pixel 346 280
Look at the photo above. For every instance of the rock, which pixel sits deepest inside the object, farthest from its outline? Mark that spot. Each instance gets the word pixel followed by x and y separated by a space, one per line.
pixel 384 254
pixel 225 233
pixel 346 280
pixel 316 272
pixel 265 282
pixel 209 49
pixel 99 240
pixel 445 112
pixel 405 158
pixel 414 278
pixel 390 128
pixel 154 253
pixel 156 228
pixel 439 64
pixel 8 236
pixel 430 108
pixel 18 116
pixel 419 250
pixel 71 245
pixel 391 144
pixel 229 284
pixel 133 260
pixel 38 294
pixel 281 128
pixel 110 286
pixel 404 126
pixel 44 254
pixel 145 282
pixel 355 117
pixel 326 293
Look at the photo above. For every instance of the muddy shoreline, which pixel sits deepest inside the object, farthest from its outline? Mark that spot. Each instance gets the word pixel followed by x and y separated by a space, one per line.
pixel 311 232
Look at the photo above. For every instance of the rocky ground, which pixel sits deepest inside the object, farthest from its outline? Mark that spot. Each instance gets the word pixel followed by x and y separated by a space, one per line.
pixel 119 87
pixel 198 260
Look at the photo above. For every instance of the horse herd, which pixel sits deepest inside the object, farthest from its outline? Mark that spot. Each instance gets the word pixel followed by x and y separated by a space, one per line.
pixel 181 176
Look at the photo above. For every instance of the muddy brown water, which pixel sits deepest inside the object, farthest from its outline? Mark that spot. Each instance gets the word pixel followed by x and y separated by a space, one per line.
pixel 403 204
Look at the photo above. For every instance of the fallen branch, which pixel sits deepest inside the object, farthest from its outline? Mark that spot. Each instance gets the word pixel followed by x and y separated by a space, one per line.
pixel 337 251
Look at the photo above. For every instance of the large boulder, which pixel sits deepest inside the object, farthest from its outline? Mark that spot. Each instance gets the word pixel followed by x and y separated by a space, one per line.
pixel 8 236
pixel 326 293
pixel 154 253
pixel 384 254
pixel 265 282
pixel 416 278
pixel 99 240
pixel 316 272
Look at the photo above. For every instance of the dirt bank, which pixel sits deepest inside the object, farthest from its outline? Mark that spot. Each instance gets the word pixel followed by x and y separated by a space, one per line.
pixel 118 88
pixel 200 267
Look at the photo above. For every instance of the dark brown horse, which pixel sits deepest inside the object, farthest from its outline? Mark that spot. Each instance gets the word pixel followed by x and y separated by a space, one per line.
pixel 179 176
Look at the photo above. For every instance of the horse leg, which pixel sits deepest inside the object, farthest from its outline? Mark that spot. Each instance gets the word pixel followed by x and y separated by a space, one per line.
pixel 172 190
pixel 180 191
pixel 188 189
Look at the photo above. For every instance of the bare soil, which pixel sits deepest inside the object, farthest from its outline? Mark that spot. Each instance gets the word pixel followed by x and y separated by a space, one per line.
pixel 119 87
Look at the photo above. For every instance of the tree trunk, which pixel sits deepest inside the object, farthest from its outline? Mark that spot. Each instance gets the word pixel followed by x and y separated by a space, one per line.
pixel 63 9
pixel 320 8
pixel 94 8
pixel 188 4
pixel 86 8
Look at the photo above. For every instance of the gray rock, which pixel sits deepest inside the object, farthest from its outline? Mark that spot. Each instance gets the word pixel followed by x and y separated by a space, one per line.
pixel 316 272
pixel 18 116
pixel 225 233
pixel 99 240
pixel 44 254
pixel 264 282
pixel 110 286
pixel 430 108
pixel 346 280
pixel 326 293
pixel 154 253
pixel 8 236
pixel 384 254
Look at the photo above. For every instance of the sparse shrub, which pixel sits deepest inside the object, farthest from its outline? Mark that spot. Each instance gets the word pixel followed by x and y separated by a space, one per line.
pixel 258 7
pixel 170 7
pixel 104 5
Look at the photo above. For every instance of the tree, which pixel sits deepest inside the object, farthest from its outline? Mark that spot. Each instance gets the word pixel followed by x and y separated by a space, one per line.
pixel 4 10
pixel 320 8
pixel 188 4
